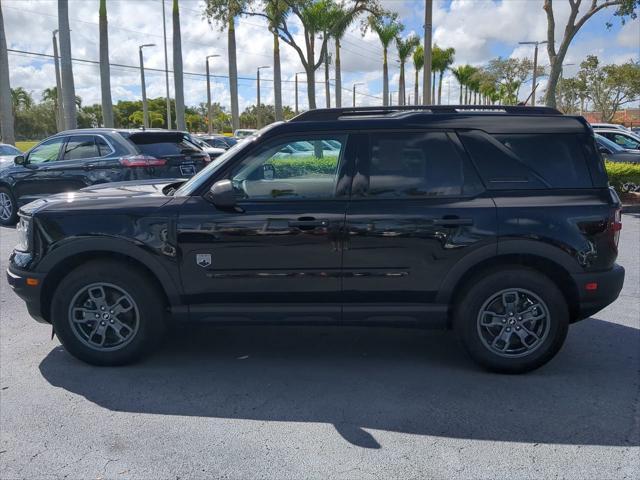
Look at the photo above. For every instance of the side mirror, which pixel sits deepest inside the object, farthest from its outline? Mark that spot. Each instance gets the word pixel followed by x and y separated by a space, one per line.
pixel 19 160
pixel 603 150
pixel 222 195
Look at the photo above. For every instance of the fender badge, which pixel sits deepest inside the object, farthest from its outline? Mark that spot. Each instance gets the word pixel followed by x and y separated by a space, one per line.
pixel 203 259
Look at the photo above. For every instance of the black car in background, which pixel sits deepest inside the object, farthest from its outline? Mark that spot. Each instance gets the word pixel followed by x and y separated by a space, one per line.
pixel 76 159
pixel 219 141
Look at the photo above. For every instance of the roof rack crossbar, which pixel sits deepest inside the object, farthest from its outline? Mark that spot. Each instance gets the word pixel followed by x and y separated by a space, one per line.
pixel 328 114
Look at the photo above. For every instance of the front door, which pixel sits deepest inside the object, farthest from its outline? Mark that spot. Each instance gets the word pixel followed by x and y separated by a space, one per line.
pixel 417 208
pixel 278 257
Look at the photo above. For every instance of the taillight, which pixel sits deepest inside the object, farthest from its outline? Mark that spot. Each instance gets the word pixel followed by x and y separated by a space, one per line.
pixel 142 161
pixel 616 225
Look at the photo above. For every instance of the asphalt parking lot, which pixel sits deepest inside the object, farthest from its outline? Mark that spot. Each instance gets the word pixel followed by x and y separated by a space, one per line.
pixel 322 402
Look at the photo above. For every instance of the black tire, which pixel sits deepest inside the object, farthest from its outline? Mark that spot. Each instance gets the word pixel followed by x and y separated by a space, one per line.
pixel 6 195
pixel 113 281
pixel 508 352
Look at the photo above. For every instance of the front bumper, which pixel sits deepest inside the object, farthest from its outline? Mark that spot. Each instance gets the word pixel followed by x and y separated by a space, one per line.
pixel 31 294
pixel 609 284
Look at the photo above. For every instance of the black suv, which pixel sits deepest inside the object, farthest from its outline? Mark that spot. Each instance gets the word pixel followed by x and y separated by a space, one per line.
pixel 497 222
pixel 76 159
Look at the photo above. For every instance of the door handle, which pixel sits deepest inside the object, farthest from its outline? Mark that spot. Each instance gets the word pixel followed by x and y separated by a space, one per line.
pixel 90 166
pixel 453 221
pixel 308 223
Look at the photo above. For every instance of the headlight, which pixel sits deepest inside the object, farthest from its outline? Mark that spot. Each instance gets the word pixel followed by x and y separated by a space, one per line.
pixel 23 229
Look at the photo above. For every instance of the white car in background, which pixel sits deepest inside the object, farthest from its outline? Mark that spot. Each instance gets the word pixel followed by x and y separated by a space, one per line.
pixel 243 133
pixel 8 153
pixel 609 126
pixel 625 138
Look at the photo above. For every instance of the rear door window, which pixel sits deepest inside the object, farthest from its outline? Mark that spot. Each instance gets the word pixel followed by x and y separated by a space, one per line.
pixel 79 147
pixel 418 164
pixel 163 144
pixel 529 160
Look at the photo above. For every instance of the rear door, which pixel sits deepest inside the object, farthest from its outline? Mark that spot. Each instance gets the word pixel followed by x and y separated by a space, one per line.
pixel 417 208
pixel 182 157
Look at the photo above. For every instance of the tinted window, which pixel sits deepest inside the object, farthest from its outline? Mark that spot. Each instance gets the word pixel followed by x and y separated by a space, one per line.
pixel 8 150
pixel 46 151
pixel 557 158
pixel 103 147
pixel 421 164
pixel 290 169
pixel 79 147
pixel 161 144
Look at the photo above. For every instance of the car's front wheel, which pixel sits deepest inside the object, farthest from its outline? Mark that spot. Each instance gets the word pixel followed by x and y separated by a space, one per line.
pixel 107 313
pixel 8 207
pixel 512 320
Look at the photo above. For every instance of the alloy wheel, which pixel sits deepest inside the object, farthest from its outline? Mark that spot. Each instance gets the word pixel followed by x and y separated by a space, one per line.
pixel 513 322
pixel 6 206
pixel 104 317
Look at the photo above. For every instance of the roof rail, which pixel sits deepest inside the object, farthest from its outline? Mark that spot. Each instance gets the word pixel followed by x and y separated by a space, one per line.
pixel 327 114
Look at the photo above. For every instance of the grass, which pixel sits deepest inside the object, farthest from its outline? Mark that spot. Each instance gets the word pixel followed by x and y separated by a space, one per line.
pixel 26 145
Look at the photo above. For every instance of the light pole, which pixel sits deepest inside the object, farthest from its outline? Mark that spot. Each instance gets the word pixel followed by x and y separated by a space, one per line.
pixel 428 30
pixel 166 67
pixel 60 112
pixel 145 112
pixel 354 92
pixel 297 73
pixel 209 118
pixel 535 68
pixel 258 116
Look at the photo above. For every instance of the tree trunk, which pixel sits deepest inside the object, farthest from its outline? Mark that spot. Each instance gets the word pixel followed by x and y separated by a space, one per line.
pixel 460 101
pixel 385 78
pixel 327 88
pixel 233 73
pixel 311 73
pixel 68 88
pixel 416 99
pixel 440 88
pixel 177 68
pixel 433 87
pixel 338 76
pixel 105 74
pixel 401 92
pixel 6 107
pixel 277 78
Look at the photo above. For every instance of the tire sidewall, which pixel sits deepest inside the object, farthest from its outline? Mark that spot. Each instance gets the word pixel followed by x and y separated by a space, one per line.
pixel 151 313
pixel 466 314
pixel 14 213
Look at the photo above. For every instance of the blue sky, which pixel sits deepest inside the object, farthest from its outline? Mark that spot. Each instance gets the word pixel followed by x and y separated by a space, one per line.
pixel 478 29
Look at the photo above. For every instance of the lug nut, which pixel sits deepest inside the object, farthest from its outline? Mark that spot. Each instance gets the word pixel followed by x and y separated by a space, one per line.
pixel 102 323
pixel 101 308
pixel 508 329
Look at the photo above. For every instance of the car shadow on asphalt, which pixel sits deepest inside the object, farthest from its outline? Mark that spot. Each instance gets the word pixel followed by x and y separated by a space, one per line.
pixel 361 380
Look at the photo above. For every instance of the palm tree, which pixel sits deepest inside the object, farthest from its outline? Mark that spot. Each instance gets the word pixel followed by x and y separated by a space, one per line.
pixel 177 68
pixel 463 75
pixel 447 61
pixel 6 110
pixel 341 23
pixel 437 63
pixel 105 74
pixel 224 13
pixel 405 48
pixel 275 10
pixel 387 30
pixel 66 68
pixel 458 74
pixel 418 63
pixel 20 99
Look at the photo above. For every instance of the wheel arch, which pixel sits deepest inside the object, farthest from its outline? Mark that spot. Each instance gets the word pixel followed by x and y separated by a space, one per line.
pixel 63 263
pixel 453 287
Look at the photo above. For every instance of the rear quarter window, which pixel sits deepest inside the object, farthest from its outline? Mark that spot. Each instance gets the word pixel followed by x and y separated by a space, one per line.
pixel 529 160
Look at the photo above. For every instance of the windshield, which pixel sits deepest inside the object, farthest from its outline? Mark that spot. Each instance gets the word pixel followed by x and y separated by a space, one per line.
pixel 195 182
pixel 9 150
pixel 605 142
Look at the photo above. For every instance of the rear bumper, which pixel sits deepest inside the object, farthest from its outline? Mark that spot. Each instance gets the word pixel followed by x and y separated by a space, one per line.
pixel 17 279
pixel 609 284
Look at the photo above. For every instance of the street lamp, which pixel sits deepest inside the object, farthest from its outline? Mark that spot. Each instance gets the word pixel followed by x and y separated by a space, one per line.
pixel 258 116
pixel 209 117
pixel 60 112
pixel 145 111
pixel 354 92
pixel 535 68
pixel 166 67
pixel 297 73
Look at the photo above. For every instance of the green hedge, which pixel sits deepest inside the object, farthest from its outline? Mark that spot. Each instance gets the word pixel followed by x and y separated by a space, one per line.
pixel 294 166
pixel 621 173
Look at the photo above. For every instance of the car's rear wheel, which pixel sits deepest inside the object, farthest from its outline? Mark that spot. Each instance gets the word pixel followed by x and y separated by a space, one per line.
pixel 8 207
pixel 512 320
pixel 106 314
